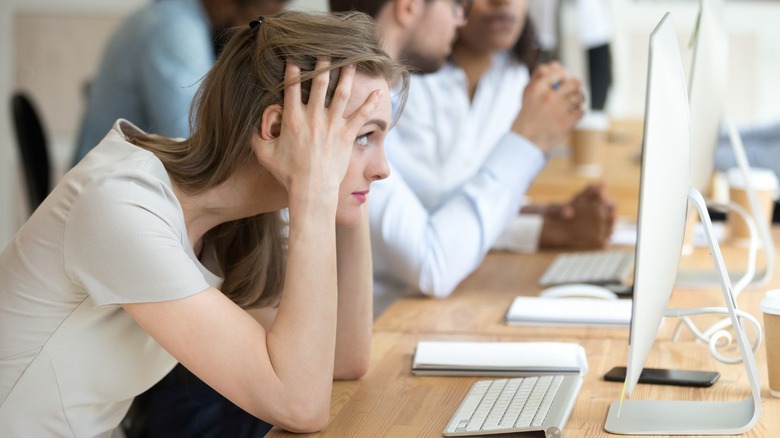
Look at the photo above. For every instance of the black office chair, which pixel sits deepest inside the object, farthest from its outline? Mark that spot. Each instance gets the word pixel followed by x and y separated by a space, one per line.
pixel 32 148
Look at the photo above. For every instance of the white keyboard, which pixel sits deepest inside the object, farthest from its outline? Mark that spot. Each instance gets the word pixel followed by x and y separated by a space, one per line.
pixel 595 267
pixel 523 404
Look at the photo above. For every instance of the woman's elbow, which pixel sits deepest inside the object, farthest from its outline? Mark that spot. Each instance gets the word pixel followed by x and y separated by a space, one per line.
pixel 354 370
pixel 304 417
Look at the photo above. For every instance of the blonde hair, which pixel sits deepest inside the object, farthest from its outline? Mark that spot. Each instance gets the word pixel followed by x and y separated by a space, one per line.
pixel 247 77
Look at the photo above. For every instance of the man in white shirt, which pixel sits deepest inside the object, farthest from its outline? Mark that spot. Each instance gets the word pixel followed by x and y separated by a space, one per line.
pixel 419 248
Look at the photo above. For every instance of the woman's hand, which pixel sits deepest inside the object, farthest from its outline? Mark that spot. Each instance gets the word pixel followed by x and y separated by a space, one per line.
pixel 307 147
pixel 552 105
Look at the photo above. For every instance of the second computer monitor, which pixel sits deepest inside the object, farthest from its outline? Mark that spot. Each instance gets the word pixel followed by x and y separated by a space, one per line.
pixel 707 90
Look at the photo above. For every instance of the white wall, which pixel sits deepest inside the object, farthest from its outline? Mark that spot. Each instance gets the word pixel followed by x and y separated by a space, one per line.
pixel 754 54
pixel 61 40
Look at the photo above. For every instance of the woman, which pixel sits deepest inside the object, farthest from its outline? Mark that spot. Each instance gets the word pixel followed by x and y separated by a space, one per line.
pixel 472 138
pixel 115 277
pixel 497 51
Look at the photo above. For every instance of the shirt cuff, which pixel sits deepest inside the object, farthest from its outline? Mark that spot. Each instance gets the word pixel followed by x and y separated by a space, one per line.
pixel 521 235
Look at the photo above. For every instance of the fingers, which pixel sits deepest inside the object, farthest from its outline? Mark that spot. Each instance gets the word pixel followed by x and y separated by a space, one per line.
pixel 597 191
pixel 572 97
pixel 310 136
pixel 341 95
pixel 343 90
pixel 319 84
pixel 556 78
pixel 361 116
pixel 568 212
pixel 292 87
pixel 570 88
pixel 567 88
pixel 553 72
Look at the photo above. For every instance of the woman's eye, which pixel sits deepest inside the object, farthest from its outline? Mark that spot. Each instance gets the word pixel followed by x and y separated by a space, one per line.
pixel 363 139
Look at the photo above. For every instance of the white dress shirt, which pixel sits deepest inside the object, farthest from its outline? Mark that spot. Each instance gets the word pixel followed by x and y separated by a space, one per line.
pixel 458 179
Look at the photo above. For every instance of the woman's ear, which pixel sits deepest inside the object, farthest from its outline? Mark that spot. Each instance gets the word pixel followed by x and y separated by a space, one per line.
pixel 271 122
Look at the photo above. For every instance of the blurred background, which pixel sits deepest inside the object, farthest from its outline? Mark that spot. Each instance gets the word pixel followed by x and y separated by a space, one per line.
pixel 51 48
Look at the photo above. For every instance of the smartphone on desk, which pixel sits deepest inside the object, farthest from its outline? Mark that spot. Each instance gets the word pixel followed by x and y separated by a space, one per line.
pixel 659 376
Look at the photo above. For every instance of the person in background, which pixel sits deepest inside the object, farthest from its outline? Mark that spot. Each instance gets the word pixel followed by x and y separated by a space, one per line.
pixel 153 63
pixel 419 247
pixel 595 36
pixel 153 251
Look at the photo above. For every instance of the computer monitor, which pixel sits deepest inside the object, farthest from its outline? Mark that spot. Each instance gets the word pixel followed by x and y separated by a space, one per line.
pixel 663 204
pixel 707 95
pixel 707 90
pixel 663 193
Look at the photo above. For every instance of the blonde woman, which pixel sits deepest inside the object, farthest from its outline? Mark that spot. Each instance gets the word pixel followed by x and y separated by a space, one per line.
pixel 151 250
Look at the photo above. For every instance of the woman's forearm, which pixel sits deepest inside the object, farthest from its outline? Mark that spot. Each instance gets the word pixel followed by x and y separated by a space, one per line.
pixel 355 303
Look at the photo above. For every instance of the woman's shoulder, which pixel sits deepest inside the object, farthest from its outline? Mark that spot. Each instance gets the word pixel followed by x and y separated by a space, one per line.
pixel 117 154
pixel 117 165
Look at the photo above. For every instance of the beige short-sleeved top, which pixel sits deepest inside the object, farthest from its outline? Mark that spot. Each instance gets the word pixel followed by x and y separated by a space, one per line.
pixel 111 232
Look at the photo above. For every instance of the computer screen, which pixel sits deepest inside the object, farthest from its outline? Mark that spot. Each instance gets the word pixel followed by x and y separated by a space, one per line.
pixel 663 193
pixel 706 90
pixel 663 201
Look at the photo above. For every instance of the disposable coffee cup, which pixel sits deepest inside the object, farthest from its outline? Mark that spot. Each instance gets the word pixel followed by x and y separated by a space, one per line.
pixel 770 307
pixel 587 144
pixel 764 184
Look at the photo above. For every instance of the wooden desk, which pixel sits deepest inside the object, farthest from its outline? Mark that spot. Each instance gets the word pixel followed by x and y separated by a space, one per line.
pixel 478 305
pixel 391 402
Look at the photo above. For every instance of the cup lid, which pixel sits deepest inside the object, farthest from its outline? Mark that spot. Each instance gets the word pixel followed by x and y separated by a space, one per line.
pixel 760 178
pixel 594 121
pixel 771 302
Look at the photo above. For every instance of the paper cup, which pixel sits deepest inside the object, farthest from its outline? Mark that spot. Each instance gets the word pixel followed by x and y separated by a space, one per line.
pixel 764 183
pixel 770 307
pixel 587 144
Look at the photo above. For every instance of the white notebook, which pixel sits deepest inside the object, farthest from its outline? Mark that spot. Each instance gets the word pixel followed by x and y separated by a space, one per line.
pixel 498 358
pixel 569 311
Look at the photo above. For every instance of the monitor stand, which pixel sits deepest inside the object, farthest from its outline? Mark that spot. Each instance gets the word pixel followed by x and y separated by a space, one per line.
pixel 708 278
pixel 674 417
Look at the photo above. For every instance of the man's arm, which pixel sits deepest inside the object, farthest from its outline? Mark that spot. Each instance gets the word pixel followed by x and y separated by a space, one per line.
pixel 435 251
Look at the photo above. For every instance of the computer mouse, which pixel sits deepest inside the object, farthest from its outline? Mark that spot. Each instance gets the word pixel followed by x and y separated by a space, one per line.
pixel 578 290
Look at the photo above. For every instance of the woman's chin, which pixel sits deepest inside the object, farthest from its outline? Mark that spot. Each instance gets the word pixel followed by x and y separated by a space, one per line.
pixel 348 219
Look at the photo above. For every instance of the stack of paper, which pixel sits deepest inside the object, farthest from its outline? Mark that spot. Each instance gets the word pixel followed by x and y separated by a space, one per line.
pixel 498 358
pixel 569 311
